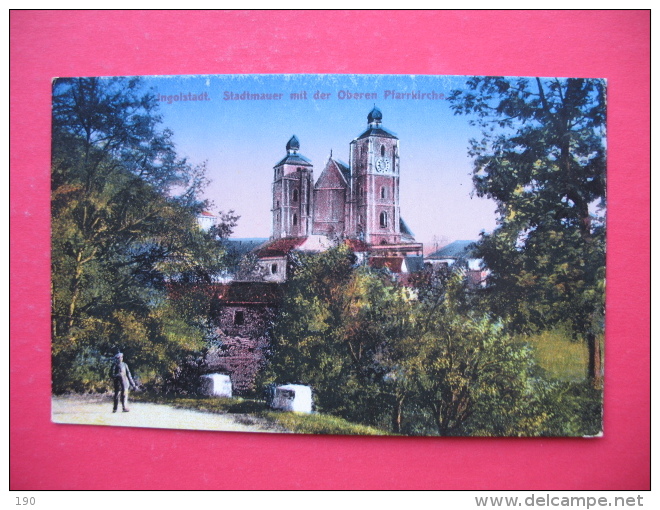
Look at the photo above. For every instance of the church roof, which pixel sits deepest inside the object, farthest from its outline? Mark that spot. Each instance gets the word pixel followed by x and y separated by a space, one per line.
pixel 376 131
pixel 295 159
pixel 333 176
pixel 404 229
pixel 292 157
pixel 293 144
pixel 375 115
pixel 345 170
pixel 374 119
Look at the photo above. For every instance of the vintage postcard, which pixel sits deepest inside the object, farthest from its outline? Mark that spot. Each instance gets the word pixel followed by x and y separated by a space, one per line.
pixel 329 254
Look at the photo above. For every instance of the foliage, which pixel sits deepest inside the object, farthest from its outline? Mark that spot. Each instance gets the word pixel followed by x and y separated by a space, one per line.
pixel 124 209
pixel 334 332
pixel 542 159
pixel 464 365
pixel 427 360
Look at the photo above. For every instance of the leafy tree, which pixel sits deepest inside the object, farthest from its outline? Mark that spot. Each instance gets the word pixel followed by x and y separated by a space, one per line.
pixel 336 330
pixel 421 360
pixel 124 209
pixel 467 371
pixel 542 159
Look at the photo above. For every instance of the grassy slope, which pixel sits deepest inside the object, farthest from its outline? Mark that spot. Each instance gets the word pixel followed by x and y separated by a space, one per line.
pixel 559 356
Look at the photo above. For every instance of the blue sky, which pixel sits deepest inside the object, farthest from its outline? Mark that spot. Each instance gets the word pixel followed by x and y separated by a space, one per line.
pixel 241 140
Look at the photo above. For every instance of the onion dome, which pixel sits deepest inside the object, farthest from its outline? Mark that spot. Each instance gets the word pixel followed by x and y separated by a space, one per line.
pixel 375 116
pixel 293 145
pixel 375 128
pixel 292 157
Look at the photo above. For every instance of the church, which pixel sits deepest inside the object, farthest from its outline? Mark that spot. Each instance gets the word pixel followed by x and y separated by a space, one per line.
pixel 357 203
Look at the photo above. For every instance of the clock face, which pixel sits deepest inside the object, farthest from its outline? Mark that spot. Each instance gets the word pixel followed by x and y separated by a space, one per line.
pixel 382 164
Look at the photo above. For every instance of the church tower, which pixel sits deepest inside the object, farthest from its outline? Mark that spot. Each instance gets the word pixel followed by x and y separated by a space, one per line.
pixel 374 196
pixel 292 194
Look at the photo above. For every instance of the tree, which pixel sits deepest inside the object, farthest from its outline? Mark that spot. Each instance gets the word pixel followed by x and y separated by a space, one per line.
pixel 542 160
pixel 471 376
pixel 336 331
pixel 413 360
pixel 124 209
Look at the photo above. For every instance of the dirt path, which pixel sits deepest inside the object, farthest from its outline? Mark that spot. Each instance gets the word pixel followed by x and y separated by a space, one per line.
pixel 98 411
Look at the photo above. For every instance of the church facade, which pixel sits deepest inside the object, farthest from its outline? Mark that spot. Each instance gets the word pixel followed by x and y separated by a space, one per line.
pixel 355 201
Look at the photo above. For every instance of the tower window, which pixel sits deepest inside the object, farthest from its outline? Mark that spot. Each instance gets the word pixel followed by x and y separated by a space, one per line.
pixel 383 220
pixel 239 317
pixel 382 150
pixel 273 269
pixel 295 219
pixel 295 194
pixel 383 192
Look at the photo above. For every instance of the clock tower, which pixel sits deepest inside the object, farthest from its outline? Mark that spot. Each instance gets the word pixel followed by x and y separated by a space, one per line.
pixel 374 206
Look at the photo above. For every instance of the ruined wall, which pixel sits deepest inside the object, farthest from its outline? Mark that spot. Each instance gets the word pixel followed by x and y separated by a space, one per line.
pixel 243 332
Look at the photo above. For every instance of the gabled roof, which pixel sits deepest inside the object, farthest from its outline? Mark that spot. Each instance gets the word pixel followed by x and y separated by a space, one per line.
pixel 455 250
pixel 315 243
pixel 280 247
pixel 332 176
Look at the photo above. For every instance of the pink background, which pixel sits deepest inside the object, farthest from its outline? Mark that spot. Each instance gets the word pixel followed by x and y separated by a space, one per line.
pixel 609 44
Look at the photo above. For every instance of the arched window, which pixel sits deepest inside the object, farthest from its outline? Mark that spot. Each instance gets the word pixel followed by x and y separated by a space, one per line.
pixel 295 219
pixel 383 192
pixel 383 220
pixel 295 194
pixel 382 150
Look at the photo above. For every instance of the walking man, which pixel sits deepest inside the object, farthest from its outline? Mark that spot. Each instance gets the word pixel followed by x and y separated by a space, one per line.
pixel 121 377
